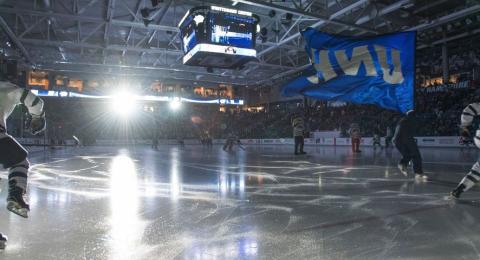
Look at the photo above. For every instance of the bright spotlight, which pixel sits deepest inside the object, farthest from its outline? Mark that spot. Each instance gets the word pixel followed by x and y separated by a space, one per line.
pixel 175 104
pixel 123 103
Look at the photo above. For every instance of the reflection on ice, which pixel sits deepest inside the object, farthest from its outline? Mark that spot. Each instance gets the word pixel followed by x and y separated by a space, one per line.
pixel 239 248
pixel 175 180
pixel 126 226
pixel 190 204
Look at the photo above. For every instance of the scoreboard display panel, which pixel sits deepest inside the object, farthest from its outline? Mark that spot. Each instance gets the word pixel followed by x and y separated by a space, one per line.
pixel 218 37
pixel 188 34
pixel 232 30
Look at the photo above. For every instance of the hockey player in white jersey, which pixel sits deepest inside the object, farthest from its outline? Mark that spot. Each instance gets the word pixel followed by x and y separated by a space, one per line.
pixel 12 155
pixel 472 178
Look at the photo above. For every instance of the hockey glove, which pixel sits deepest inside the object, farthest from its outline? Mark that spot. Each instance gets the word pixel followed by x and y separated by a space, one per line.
pixel 36 124
pixel 465 133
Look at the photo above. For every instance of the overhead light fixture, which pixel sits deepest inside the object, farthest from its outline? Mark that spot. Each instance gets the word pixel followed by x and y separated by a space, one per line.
pixel 264 31
pixel 146 22
pixel 263 34
pixel 287 19
pixel 272 13
pixel 156 2
pixel 145 12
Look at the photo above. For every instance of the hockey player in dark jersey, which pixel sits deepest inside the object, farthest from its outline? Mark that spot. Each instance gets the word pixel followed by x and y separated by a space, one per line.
pixel 231 140
pixel 376 141
pixel 12 155
pixel 407 146
pixel 472 178
pixel 3 241
pixel 388 137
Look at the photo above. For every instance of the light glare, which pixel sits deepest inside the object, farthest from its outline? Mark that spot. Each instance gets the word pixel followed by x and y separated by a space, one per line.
pixel 175 104
pixel 123 104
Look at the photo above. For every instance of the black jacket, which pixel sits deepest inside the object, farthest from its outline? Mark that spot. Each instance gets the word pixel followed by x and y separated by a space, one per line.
pixel 406 129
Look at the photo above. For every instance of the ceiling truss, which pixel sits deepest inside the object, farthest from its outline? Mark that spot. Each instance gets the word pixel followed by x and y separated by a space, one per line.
pixel 85 35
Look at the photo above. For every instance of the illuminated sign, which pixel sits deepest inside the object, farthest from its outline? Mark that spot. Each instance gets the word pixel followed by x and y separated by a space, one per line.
pixel 222 101
pixel 212 48
pixel 228 10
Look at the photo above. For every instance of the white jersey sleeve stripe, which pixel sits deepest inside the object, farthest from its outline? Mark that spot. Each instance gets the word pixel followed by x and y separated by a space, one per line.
pixel 469 113
pixel 34 104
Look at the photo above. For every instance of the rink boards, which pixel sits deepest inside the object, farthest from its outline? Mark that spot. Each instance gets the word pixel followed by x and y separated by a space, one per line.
pixel 442 141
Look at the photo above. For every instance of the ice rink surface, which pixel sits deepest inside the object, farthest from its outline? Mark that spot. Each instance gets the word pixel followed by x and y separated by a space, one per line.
pixel 262 203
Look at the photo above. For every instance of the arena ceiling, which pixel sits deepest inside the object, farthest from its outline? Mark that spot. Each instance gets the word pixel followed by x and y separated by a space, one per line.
pixel 110 37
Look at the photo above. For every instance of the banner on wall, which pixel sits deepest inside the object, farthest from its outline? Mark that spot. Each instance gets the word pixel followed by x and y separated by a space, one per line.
pixel 376 70
pixel 445 87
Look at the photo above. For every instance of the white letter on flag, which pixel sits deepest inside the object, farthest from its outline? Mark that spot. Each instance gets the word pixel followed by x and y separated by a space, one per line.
pixel 396 77
pixel 351 66
pixel 322 64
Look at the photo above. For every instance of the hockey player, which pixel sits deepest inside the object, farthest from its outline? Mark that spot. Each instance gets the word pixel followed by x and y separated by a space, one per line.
pixel 298 125
pixel 12 155
pixel 472 178
pixel 208 139
pixel 376 138
pixel 388 137
pixel 407 146
pixel 231 140
pixel 356 136
pixel 3 241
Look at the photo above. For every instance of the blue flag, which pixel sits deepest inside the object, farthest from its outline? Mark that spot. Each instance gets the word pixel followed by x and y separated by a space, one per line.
pixel 379 70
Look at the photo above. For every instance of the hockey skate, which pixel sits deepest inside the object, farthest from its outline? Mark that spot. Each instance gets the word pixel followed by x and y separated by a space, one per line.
pixel 16 202
pixel 455 194
pixel 403 169
pixel 3 241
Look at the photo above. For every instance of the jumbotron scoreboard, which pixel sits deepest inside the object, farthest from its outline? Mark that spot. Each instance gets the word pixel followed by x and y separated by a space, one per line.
pixel 218 37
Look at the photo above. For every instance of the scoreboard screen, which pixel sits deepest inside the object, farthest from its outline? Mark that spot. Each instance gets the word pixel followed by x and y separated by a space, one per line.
pixel 188 34
pixel 232 30
pixel 218 37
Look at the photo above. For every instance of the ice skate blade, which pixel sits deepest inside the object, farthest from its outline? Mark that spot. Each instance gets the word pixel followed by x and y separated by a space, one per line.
pixel 450 197
pixel 402 170
pixel 13 207
pixel 421 178
pixel 450 200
